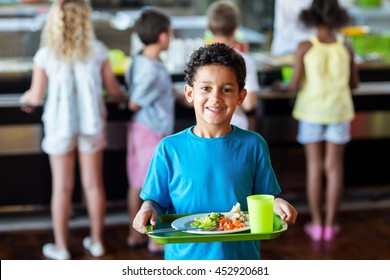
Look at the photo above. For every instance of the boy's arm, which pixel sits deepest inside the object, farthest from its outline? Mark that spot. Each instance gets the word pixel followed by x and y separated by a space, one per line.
pixel 285 210
pixel 134 107
pixel 147 214
pixel 142 91
pixel 252 85
pixel 111 83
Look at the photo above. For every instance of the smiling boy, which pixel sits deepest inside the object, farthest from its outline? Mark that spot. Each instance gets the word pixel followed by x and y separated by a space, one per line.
pixel 212 165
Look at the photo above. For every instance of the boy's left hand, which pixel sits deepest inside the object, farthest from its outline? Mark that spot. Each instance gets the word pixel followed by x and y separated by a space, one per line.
pixel 285 210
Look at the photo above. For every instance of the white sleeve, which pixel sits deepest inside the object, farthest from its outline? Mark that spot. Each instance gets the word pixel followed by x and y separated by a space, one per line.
pixel 40 58
pixel 252 82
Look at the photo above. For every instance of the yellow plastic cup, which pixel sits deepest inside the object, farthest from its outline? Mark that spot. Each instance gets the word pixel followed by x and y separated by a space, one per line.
pixel 261 212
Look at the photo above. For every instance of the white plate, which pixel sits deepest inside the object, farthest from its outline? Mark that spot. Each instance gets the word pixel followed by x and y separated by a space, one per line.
pixel 187 221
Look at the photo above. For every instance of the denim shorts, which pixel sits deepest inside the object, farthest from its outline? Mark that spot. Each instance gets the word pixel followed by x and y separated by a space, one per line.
pixel 338 133
pixel 88 144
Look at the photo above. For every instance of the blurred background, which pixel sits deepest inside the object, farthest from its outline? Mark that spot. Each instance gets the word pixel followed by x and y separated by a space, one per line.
pixel 25 185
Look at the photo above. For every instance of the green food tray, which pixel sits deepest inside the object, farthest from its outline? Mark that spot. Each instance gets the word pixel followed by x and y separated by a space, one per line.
pixel 165 221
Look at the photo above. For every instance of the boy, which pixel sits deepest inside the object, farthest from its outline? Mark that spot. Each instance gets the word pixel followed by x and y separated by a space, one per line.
pixel 152 103
pixel 212 165
pixel 223 22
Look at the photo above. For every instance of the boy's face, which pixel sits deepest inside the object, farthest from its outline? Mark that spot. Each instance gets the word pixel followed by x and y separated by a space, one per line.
pixel 165 39
pixel 215 95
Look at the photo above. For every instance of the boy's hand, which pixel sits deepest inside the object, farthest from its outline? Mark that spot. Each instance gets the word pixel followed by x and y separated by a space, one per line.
pixel 146 214
pixel 285 210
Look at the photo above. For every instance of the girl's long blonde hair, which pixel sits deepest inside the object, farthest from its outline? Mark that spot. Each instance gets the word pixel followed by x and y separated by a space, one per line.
pixel 69 31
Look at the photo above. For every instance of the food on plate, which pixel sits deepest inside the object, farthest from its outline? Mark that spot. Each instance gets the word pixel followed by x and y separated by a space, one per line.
pixel 209 222
pixel 234 219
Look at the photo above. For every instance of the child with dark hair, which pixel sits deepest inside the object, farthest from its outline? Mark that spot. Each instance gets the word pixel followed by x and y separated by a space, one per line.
pixel 212 165
pixel 152 103
pixel 150 25
pixel 324 73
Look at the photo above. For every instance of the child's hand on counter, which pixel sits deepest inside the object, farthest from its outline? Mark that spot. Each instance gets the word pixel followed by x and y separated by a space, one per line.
pixel 279 86
pixel 27 103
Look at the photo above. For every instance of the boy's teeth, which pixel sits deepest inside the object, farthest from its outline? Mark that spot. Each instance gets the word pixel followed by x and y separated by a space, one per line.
pixel 215 109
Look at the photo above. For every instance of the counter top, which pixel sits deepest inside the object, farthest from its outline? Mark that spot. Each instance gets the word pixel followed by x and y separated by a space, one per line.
pixel 364 89
pixel 10 66
pixel 12 100
pixel 264 63
pixel 367 88
pixel 267 62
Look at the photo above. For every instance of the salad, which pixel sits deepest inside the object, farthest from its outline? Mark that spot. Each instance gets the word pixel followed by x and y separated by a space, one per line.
pixel 233 219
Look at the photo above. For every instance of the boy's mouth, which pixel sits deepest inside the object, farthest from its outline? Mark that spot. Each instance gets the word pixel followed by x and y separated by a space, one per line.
pixel 215 109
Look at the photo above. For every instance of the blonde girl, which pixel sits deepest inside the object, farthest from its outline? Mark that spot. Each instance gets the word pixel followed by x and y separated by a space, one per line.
pixel 70 70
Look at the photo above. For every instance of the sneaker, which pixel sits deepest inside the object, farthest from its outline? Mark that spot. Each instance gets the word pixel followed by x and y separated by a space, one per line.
pixel 314 231
pixel 330 232
pixel 50 251
pixel 95 249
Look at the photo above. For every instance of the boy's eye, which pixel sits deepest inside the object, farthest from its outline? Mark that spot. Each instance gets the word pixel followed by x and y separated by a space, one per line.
pixel 227 90
pixel 224 91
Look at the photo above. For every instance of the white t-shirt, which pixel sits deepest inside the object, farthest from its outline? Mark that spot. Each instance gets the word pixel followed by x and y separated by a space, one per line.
pixel 288 30
pixel 252 86
pixel 74 103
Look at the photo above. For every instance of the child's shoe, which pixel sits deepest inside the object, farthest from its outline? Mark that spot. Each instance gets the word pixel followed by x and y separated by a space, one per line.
pixel 330 232
pixel 314 231
pixel 95 249
pixel 50 251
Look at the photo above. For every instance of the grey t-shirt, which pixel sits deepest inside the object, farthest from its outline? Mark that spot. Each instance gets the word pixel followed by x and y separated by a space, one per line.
pixel 150 87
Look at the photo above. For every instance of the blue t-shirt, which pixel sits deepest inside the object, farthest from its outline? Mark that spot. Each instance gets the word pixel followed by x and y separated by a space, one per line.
pixel 190 174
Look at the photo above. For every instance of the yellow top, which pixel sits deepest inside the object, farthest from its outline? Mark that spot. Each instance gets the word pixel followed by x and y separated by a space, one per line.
pixel 325 96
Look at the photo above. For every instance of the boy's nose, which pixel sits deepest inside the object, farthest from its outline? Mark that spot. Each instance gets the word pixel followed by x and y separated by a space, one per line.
pixel 216 93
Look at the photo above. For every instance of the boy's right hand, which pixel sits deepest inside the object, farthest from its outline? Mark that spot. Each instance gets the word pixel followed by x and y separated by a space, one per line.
pixel 147 214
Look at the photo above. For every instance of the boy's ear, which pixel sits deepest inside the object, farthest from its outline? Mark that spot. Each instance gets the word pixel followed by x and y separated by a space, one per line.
pixel 188 93
pixel 241 96
pixel 164 36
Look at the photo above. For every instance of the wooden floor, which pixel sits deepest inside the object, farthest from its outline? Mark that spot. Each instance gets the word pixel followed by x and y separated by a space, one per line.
pixel 365 234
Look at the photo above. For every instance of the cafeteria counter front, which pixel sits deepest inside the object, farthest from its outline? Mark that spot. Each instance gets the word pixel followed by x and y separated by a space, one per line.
pixel 25 171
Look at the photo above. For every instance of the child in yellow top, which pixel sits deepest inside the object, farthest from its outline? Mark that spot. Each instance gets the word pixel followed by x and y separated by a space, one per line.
pixel 325 73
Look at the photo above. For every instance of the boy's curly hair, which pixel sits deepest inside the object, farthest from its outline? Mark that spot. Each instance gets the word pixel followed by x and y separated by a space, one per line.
pixel 325 12
pixel 216 54
pixel 69 30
